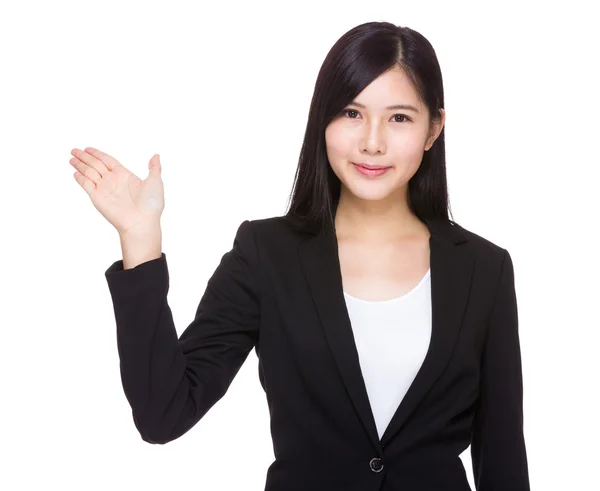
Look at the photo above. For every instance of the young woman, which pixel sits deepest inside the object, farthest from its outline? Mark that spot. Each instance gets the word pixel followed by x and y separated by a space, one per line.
pixel 386 333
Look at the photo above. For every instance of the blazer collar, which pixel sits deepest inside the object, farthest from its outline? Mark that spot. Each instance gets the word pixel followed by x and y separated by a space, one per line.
pixel 451 271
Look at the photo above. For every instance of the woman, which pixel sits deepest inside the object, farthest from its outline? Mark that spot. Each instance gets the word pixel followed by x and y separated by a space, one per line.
pixel 387 334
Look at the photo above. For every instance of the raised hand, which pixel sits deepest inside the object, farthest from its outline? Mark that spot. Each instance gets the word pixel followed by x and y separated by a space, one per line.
pixel 126 201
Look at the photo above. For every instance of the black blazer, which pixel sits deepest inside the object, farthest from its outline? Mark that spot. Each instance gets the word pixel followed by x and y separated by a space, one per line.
pixel 279 291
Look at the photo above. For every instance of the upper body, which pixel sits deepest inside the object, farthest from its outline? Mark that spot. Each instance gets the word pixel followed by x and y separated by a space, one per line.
pixel 368 221
pixel 280 291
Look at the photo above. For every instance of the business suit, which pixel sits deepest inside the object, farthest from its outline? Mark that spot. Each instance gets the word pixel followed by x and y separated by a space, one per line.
pixel 279 291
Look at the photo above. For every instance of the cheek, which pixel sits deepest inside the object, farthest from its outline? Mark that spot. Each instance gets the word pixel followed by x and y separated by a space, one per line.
pixel 338 146
pixel 407 150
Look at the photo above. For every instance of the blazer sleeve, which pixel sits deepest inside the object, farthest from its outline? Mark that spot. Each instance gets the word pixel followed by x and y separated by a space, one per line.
pixel 171 383
pixel 498 451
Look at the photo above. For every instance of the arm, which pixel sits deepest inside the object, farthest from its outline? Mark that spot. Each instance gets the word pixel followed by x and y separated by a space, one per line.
pixel 498 446
pixel 171 383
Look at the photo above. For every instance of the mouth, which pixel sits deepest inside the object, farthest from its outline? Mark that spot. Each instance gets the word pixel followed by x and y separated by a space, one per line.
pixel 370 166
pixel 371 170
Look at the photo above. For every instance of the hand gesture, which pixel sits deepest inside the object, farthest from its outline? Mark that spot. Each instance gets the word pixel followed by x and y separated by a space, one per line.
pixel 126 201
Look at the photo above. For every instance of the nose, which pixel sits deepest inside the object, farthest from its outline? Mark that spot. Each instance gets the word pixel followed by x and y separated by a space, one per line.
pixel 372 141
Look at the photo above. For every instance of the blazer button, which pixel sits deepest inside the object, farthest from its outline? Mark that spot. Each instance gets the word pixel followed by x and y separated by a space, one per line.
pixel 376 464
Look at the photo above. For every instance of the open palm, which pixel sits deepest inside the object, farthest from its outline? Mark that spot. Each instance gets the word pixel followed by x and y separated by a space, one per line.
pixel 125 200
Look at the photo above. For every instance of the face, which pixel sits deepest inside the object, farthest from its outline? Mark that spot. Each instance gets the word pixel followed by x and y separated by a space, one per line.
pixel 377 135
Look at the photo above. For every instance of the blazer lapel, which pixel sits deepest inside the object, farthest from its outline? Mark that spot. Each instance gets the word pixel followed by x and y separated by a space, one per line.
pixel 451 269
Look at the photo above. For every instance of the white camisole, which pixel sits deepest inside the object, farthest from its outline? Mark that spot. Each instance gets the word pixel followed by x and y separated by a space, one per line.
pixel 392 338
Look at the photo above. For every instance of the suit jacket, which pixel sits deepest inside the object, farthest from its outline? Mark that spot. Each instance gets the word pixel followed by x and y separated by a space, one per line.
pixel 279 291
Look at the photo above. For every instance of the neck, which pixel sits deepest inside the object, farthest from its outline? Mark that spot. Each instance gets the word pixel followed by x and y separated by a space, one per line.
pixel 376 221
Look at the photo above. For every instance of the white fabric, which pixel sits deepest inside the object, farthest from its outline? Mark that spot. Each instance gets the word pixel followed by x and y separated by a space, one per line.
pixel 392 338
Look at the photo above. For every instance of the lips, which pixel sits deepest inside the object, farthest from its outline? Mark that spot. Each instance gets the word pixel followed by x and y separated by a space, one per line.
pixel 371 167
pixel 370 172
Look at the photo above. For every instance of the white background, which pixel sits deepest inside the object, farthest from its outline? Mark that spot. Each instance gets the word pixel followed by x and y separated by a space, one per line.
pixel 221 91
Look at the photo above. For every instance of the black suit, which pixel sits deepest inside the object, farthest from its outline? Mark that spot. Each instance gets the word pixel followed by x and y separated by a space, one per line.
pixel 279 290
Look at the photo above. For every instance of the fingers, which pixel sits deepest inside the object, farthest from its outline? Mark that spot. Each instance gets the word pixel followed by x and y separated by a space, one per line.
pixel 93 158
pixel 84 182
pixel 87 165
pixel 110 162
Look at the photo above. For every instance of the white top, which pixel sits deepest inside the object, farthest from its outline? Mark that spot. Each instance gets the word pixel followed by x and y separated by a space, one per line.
pixel 392 338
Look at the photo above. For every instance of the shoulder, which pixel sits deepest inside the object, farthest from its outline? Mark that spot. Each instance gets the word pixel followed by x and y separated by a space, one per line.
pixel 478 242
pixel 490 257
pixel 278 229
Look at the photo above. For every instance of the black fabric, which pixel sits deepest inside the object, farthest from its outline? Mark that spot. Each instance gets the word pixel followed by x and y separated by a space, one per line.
pixel 279 291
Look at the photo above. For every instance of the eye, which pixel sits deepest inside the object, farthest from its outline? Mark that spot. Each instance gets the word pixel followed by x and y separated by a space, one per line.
pixel 406 118
pixel 402 116
pixel 349 111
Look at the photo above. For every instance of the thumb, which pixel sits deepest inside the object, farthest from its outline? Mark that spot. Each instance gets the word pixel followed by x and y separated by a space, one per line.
pixel 154 165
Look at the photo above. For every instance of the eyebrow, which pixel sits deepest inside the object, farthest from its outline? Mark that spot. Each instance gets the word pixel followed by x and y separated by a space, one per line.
pixel 395 106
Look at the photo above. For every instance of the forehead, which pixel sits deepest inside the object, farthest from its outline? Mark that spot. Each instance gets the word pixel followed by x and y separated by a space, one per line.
pixel 391 87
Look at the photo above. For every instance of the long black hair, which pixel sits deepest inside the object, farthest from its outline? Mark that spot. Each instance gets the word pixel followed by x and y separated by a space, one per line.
pixel 354 61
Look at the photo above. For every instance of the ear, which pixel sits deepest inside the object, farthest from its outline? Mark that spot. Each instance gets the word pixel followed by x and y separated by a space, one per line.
pixel 436 129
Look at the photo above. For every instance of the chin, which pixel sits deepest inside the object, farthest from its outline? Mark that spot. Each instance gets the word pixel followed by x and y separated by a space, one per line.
pixel 370 191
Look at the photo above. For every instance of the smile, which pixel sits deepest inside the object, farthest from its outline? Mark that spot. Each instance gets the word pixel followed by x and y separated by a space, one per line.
pixel 370 172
